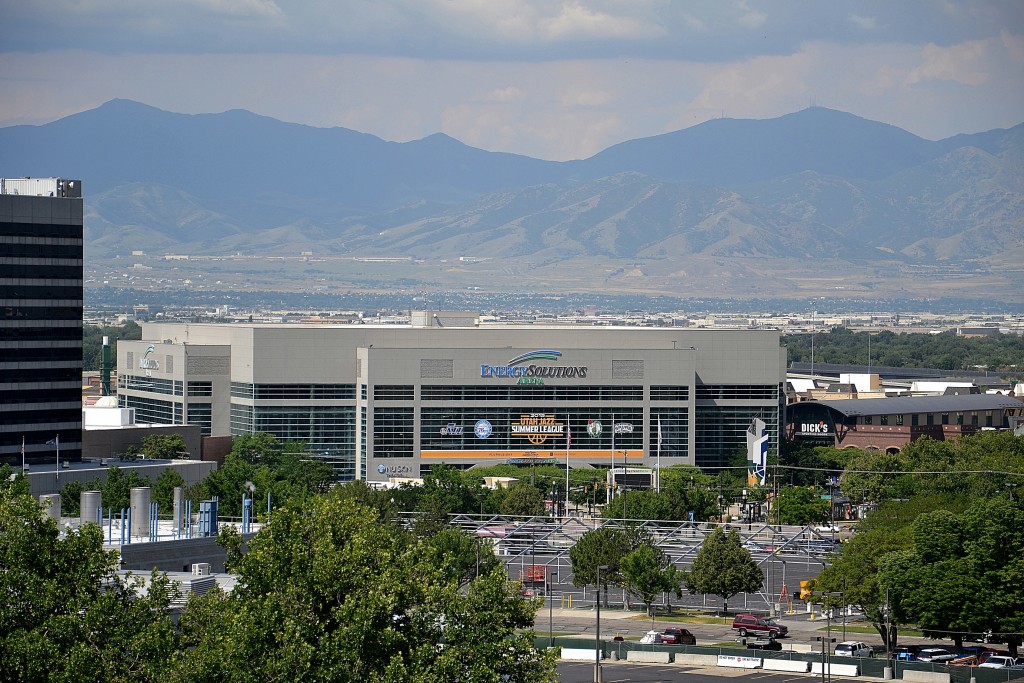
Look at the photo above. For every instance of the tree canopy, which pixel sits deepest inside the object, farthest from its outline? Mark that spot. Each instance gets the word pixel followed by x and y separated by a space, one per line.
pixel 723 567
pixel 66 614
pixel 329 591
pixel 996 352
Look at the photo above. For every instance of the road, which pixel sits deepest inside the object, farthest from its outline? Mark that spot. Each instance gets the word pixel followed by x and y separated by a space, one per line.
pixel 632 625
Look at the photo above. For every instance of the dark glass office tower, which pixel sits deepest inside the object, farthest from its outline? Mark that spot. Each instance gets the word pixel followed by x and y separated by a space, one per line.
pixel 40 320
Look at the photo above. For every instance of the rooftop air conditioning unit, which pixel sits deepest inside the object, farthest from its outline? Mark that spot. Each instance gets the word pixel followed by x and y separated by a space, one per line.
pixel 201 569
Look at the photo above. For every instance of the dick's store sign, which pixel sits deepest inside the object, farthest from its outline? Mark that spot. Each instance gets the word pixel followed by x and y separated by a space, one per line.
pixel 815 428
pixel 524 371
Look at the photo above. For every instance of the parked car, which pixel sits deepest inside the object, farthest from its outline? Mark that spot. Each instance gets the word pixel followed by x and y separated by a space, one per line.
pixel 651 638
pixel 1002 662
pixel 935 655
pixel 678 636
pixel 827 529
pixel 982 652
pixel 751 623
pixel 853 648
pixel 905 653
pixel 764 643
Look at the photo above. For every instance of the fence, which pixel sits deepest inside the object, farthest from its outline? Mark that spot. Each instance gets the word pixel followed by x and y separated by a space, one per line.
pixel 869 667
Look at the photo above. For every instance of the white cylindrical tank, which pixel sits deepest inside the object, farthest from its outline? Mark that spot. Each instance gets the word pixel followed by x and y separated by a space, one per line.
pixel 179 507
pixel 140 499
pixel 51 505
pixel 91 502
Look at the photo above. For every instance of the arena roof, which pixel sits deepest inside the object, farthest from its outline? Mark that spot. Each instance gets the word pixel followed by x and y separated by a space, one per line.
pixel 915 404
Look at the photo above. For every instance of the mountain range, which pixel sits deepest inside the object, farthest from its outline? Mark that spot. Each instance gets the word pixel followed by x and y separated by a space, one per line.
pixel 791 205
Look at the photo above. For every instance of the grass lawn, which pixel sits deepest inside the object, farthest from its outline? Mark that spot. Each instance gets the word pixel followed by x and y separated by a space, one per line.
pixel 684 618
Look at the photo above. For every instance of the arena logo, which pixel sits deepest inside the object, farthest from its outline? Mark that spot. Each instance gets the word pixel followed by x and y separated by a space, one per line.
pixel 451 429
pixel 147 363
pixel 518 369
pixel 394 469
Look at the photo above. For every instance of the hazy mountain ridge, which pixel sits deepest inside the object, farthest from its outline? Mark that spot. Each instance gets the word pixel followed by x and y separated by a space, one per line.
pixel 815 184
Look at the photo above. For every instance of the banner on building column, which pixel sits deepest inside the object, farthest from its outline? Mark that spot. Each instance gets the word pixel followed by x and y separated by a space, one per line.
pixel 757 453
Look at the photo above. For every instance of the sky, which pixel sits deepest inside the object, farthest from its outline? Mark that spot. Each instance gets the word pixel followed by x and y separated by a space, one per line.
pixel 553 79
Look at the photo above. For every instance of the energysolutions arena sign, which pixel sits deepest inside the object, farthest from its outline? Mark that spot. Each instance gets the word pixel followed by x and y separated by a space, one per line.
pixel 523 371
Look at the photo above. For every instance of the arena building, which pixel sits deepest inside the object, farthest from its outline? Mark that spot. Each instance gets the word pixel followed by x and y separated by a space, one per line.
pixel 382 401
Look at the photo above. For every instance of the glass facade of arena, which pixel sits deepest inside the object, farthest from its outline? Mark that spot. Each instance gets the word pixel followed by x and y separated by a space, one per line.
pixel 328 431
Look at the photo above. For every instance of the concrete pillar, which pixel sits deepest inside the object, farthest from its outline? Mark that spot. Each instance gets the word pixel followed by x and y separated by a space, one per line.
pixel 90 502
pixel 140 499
pixel 51 505
pixel 179 509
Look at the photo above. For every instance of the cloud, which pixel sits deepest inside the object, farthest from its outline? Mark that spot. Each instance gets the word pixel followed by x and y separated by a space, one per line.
pixel 965 63
pixel 580 97
pixel 1014 45
pixel 751 18
pixel 866 23
pixel 575 21
pixel 241 8
pixel 509 94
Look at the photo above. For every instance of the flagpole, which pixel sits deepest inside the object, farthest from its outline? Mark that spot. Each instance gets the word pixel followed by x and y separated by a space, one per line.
pixel 659 454
pixel 613 452
pixel 568 443
pixel 23 455
pixel 57 474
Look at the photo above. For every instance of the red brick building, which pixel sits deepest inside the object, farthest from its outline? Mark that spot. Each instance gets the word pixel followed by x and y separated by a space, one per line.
pixel 891 423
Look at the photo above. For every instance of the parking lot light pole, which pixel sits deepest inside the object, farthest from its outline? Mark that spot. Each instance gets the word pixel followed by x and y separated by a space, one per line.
pixel 597 636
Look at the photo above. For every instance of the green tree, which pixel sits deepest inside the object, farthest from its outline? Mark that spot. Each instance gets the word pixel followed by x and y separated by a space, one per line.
pixel 66 614
pixel 602 547
pixel 92 341
pixel 14 483
pixel 163 490
pixel 460 555
pixel 648 505
pixel 164 447
pixel 255 449
pixel 800 505
pixel 523 499
pixel 330 592
pixel 71 499
pixel 869 572
pixel 723 567
pixel 116 490
pixel 955 575
pixel 646 572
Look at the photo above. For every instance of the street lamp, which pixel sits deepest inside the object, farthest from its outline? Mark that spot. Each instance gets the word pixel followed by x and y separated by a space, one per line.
pixel 826 657
pixel 745 510
pixel 597 637
pixel 1010 486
